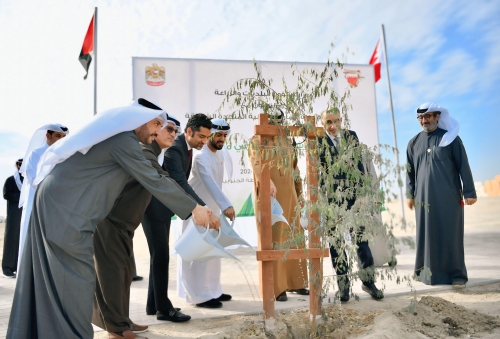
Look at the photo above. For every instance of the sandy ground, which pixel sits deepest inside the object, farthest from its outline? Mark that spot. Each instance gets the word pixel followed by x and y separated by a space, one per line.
pixel 467 313
pixel 391 318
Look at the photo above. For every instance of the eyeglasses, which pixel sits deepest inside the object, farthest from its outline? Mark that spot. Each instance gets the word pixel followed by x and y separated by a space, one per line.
pixel 171 129
pixel 425 116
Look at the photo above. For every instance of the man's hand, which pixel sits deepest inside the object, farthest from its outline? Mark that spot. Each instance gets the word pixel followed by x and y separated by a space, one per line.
pixel 470 201
pixel 302 202
pixel 229 212
pixel 214 222
pixel 201 215
pixel 410 203
pixel 274 191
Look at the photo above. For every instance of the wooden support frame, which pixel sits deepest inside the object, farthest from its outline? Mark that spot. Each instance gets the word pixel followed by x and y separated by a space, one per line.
pixel 299 253
pixel 265 253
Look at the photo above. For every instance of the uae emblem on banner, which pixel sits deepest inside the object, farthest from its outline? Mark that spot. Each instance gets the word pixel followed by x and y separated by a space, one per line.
pixel 376 60
pixel 353 77
pixel 155 75
pixel 87 48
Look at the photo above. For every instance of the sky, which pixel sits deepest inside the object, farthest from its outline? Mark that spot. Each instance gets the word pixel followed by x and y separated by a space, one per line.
pixel 447 52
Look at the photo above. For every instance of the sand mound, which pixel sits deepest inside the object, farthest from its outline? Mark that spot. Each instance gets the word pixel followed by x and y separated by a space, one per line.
pixel 438 318
pixel 434 318
pixel 368 319
pixel 338 323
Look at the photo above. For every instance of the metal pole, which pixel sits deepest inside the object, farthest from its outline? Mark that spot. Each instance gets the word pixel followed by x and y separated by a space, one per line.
pixel 396 152
pixel 95 61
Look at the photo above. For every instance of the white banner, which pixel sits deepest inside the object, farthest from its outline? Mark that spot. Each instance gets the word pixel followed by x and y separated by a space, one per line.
pixel 187 86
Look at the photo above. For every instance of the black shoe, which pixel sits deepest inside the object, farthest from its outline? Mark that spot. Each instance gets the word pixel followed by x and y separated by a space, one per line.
pixel 458 284
pixel 371 289
pixel 301 291
pixel 344 294
pixel 282 297
pixel 9 274
pixel 224 297
pixel 173 315
pixel 153 312
pixel 212 303
pixel 137 278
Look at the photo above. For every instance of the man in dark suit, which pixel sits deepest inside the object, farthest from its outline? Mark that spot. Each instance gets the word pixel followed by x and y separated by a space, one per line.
pixel 11 193
pixel 334 140
pixel 156 220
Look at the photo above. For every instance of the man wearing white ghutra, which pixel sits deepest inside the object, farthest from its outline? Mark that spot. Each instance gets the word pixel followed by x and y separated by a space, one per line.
pixel 439 183
pixel 199 282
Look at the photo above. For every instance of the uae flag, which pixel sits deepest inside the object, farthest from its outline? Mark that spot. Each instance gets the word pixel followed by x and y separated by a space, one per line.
pixel 376 60
pixel 87 48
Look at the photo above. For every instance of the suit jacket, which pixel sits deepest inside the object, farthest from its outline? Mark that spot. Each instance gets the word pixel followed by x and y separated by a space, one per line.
pixel 176 165
pixel 346 136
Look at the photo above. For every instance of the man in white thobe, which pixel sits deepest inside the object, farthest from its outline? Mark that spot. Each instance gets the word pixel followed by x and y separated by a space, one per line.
pixel 199 282
pixel 42 139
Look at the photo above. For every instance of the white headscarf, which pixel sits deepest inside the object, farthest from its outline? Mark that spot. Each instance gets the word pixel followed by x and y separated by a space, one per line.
pixel 176 122
pixel 446 122
pixel 100 128
pixel 218 126
pixel 39 139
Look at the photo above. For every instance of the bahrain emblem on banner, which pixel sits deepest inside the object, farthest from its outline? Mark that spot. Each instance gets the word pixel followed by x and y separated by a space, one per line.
pixel 353 77
pixel 155 75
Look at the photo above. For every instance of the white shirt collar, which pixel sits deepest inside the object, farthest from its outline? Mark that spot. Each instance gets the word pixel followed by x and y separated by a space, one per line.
pixel 189 147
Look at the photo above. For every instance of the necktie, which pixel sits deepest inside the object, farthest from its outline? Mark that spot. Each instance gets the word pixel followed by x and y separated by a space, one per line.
pixel 190 160
pixel 337 141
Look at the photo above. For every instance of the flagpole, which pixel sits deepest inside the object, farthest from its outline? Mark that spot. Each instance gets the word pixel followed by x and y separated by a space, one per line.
pixel 95 61
pixel 396 152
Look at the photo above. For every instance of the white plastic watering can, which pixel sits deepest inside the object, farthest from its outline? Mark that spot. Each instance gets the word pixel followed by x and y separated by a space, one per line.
pixel 198 243
pixel 217 251
pixel 277 212
pixel 192 244
pixel 228 235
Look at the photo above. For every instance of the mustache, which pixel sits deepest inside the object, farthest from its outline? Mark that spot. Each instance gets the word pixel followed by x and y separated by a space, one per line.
pixel 154 135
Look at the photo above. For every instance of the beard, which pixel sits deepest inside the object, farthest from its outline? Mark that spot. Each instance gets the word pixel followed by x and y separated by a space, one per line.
pixel 431 127
pixel 145 136
pixel 214 145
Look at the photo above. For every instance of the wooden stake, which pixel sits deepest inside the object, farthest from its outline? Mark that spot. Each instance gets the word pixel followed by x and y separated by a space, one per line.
pixel 315 267
pixel 265 240
pixel 265 254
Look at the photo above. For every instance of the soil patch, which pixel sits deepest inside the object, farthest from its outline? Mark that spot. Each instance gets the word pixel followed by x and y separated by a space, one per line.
pixel 338 322
pixel 439 318
pixel 468 313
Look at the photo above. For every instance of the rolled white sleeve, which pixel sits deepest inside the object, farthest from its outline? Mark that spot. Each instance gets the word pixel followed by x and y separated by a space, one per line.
pixel 201 165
